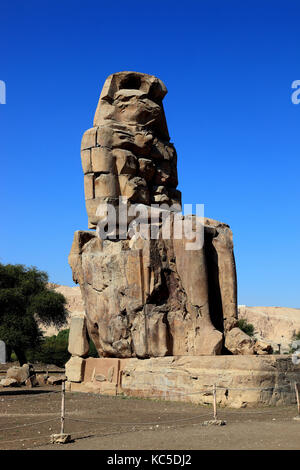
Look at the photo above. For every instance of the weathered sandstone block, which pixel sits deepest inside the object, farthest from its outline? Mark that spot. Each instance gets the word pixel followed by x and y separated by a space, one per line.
pixel 89 138
pixel 9 383
pixel 152 297
pixel 239 342
pixel 102 160
pixel 20 374
pixel 86 161
pixel 75 369
pixel 78 342
pixel 56 379
pixel 129 137
pixel 241 380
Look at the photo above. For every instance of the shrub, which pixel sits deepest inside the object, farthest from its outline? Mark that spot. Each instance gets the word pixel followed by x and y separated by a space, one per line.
pixel 54 350
pixel 293 348
pixel 247 328
pixel 93 351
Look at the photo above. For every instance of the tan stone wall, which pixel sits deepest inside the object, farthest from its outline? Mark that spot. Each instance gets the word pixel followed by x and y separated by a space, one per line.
pixel 241 380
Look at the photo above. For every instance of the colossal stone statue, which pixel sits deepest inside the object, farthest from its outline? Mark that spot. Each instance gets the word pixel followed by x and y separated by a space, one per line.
pixel 148 297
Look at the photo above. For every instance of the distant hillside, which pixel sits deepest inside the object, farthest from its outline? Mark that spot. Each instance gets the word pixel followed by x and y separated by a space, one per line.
pixel 74 305
pixel 273 324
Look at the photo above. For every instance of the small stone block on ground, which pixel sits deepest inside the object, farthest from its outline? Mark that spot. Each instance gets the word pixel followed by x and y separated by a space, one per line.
pixel 60 438
pixel 9 382
pixel 55 379
pixel 215 422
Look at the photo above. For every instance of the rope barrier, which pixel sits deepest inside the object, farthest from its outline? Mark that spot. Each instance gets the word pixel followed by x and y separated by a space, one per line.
pixel 92 430
pixel 253 388
pixel 73 433
pixel 136 424
pixel 162 392
pixel 208 392
pixel 4 398
pixel 25 439
pixel 29 424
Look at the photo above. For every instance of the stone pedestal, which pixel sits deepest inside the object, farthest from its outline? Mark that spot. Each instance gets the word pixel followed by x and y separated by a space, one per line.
pixel 240 380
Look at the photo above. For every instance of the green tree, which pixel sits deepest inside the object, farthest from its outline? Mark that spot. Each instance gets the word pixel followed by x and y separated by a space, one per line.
pixel 92 351
pixel 247 328
pixel 51 350
pixel 26 301
pixel 54 350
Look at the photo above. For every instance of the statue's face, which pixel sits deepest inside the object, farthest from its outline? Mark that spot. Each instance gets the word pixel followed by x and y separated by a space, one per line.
pixel 135 107
pixel 132 99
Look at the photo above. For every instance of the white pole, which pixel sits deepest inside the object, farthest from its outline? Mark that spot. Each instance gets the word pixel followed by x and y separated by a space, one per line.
pixel 297 386
pixel 62 418
pixel 215 401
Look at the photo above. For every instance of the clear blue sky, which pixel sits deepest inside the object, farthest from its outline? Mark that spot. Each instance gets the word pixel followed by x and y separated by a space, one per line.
pixel 228 66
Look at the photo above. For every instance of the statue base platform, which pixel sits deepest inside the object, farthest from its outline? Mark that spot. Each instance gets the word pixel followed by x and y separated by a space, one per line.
pixel 240 380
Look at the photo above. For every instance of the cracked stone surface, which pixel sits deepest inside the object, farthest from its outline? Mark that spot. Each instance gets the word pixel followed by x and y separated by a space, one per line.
pixel 147 298
pixel 128 150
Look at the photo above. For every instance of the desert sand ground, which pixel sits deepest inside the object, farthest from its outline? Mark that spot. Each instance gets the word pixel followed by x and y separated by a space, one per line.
pixel 101 422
